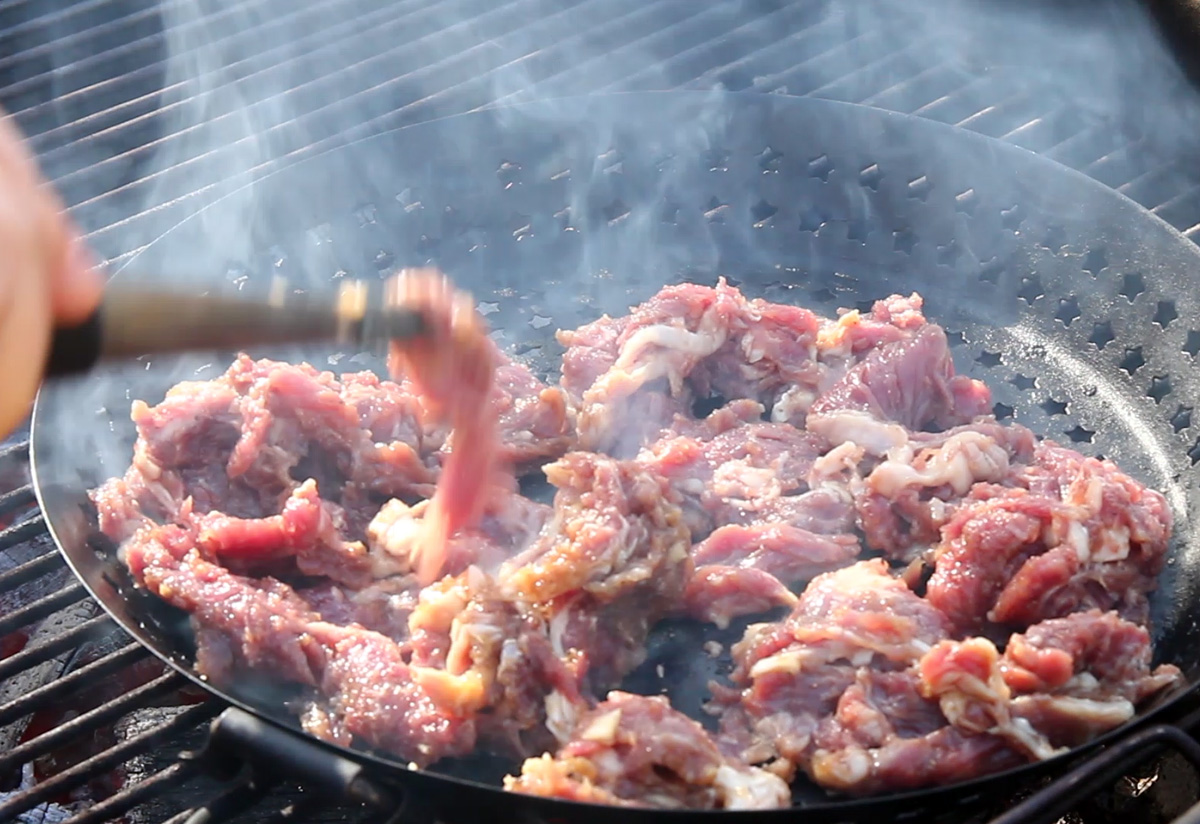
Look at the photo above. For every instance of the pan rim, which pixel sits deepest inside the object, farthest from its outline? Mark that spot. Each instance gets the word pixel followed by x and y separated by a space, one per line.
pixel 979 785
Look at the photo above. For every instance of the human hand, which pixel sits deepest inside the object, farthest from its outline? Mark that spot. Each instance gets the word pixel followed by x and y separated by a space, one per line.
pixel 46 275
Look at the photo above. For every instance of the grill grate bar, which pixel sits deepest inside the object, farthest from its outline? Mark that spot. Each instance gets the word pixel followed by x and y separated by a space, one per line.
pixel 17 499
pixel 112 757
pixel 804 79
pixel 989 120
pixel 1181 212
pixel 962 102
pixel 315 129
pixel 29 571
pixel 95 31
pixel 695 47
pixel 914 91
pixel 43 20
pixel 22 532
pixel 805 51
pixel 55 690
pixel 110 809
pixel 475 89
pixel 42 607
pixel 90 720
pixel 893 59
pixel 1158 185
pixel 31 656
pixel 774 58
pixel 16 452
pixel 1048 129
pixel 609 37
pixel 1085 147
pixel 406 58
pixel 144 107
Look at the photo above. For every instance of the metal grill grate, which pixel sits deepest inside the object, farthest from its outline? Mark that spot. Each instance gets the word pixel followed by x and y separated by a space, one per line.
pixel 125 141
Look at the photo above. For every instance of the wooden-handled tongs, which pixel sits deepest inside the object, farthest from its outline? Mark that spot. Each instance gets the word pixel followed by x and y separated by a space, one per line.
pixel 136 319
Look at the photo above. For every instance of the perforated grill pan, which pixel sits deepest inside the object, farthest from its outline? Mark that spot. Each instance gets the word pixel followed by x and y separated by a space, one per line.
pixel 1080 309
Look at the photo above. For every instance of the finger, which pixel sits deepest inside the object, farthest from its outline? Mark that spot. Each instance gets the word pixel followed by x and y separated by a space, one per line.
pixel 24 309
pixel 75 285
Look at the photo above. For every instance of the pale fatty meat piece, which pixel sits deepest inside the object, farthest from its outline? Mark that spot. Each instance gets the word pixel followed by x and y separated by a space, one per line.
pixel 1065 534
pixel 906 499
pixel 732 467
pixel 616 525
pixel 635 750
pixel 904 386
pixel 508 525
pixel 1060 684
pixel 686 340
pixel 477 650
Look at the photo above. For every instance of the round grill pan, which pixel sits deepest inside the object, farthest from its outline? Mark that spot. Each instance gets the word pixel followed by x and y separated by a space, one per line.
pixel 1080 309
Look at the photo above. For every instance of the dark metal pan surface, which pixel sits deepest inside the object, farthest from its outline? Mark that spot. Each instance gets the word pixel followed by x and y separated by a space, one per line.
pixel 1080 309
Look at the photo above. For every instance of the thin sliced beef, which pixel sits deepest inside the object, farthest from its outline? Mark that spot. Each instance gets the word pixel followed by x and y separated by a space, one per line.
pixel 382 606
pixel 567 617
pixel 686 340
pixel 789 676
pixel 508 525
pixel 732 467
pixel 367 691
pixel 535 420
pixel 788 553
pixel 288 511
pixel 854 334
pixel 1070 534
pixel 718 594
pixel 612 561
pixel 1058 685
pixel 1090 654
pixel 307 531
pixel 482 653
pixel 634 750
pixel 906 385
pixel 616 526
pixel 907 498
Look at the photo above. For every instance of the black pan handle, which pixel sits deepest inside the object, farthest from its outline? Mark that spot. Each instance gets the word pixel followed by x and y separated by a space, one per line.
pixel 1179 23
pixel 75 349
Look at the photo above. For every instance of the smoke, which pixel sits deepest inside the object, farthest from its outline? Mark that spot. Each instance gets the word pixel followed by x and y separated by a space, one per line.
pixel 252 87
pixel 249 87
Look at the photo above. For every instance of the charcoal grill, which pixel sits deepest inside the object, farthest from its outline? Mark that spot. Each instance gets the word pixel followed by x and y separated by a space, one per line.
pixel 868 55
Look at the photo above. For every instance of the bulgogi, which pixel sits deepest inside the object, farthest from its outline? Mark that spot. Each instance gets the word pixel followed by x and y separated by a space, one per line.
pixel 287 510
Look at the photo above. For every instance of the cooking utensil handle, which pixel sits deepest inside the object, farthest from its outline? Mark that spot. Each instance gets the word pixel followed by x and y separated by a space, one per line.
pixel 1179 23
pixel 139 320
pixel 76 349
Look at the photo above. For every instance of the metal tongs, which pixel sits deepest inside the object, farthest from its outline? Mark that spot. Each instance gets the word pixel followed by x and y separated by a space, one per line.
pixel 137 319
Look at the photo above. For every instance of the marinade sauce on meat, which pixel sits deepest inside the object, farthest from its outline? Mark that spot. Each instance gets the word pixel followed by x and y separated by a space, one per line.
pixel 365 539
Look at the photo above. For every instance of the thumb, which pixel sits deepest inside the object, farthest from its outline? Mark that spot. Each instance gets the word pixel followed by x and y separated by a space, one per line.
pixel 76 283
